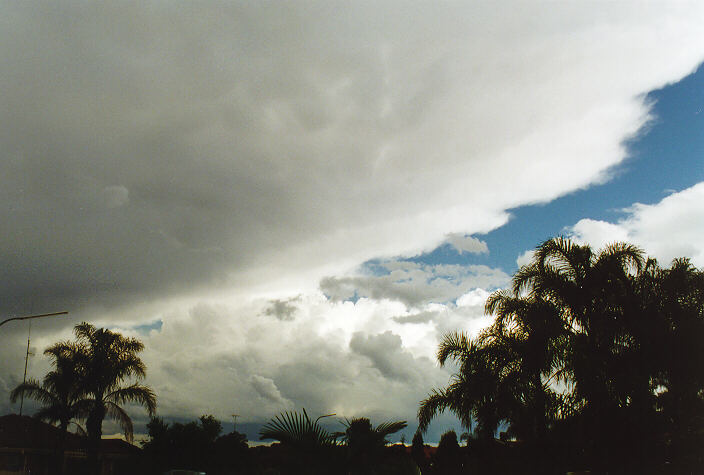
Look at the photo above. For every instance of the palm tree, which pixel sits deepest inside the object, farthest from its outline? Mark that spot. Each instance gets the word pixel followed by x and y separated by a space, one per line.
pixel 107 360
pixel 531 336
pixel 474 392
pixel 365 443
pixel 292 428
pixel 595 295
pixel 60 394
pixel 360 435
pixel 677 298
pixel 306 446
pixel 621 335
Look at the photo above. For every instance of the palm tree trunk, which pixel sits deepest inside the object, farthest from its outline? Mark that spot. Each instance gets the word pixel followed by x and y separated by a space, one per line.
pixel 95 432
pixel 58 468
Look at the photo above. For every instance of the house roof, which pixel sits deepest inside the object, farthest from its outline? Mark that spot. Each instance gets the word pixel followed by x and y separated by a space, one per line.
pixel 24 432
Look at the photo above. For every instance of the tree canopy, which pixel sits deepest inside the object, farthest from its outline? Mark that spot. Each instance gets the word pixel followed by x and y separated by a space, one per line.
pixel 600 348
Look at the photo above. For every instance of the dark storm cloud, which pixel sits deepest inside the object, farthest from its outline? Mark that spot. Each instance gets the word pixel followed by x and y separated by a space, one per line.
pixel 160 148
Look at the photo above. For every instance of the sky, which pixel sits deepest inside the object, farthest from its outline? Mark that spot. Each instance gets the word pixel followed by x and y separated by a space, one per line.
pixel 291 203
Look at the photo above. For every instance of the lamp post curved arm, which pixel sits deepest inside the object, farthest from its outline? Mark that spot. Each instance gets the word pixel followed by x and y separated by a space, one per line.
pixel 326 415
pixel 28 317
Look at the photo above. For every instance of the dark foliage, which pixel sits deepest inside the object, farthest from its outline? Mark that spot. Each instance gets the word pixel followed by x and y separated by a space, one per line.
pixel 418 451
pixel 449 458
pixel 594 360
pixel 195 445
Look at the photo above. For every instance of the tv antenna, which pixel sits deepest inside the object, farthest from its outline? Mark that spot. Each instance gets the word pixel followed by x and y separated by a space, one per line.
pixel 26 360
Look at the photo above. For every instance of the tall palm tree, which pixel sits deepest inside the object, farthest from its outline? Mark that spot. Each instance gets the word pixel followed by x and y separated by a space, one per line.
pixel 597 297
pixel 107 360
pixel 60 394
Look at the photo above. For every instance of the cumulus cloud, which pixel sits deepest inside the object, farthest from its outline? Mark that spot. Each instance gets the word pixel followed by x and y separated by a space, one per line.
pixel 227 363
pixel 665 230
pixel 386 354
pixel 414 284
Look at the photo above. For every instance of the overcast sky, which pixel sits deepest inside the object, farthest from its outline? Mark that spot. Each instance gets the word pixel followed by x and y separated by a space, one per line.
pixel 289 203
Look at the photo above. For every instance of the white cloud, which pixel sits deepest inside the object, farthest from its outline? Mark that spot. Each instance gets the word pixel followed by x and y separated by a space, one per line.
pixel 267 389
pixel 472 298
pixel 671 228
pixel 464 243
pixel 525 258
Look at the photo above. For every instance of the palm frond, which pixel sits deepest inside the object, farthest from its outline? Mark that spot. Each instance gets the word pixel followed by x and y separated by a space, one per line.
pixel 296 428
pixel 116 413
pixel 390 427
pixel 143 395
pixel 437 401
pixel 455 346
pixel 80 430
pixel 524 278
pixel 622 255
pixel 51 414
pixel 33 390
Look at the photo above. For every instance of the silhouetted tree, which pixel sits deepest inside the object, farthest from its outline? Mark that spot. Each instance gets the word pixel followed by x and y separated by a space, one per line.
pixel 474 392
pixel 106 361
pixel 305 444
pixel 297 430
pixel 677 352
pixel 194 445
pixel 598 353
pixel 448 459
pixel 528 336
pixel 365 443
pixel 418 451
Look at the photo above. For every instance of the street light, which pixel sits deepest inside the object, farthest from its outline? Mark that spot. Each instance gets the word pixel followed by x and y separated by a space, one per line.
pixel 326 415
pixel 26 357
pixel 29 317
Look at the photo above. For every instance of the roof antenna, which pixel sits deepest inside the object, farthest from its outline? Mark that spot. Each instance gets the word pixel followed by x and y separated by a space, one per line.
pixel 26 359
